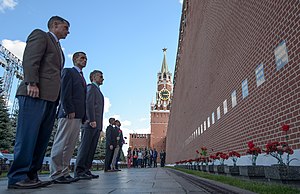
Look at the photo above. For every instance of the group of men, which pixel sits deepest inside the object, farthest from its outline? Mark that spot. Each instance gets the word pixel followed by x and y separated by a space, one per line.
pixel 46 85
pixel 114 143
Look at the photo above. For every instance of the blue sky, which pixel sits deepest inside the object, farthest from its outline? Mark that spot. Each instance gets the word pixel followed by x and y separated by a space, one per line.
pixel 124 39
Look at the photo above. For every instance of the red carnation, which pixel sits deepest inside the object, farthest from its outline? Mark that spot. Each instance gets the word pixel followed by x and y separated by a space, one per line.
pixel 251 144
pixel 285 127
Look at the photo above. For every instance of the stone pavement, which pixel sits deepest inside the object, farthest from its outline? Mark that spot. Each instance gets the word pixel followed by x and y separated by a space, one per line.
pixel 134 180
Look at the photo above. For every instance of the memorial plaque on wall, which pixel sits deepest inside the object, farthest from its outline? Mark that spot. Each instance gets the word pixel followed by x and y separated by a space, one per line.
pixel 281 55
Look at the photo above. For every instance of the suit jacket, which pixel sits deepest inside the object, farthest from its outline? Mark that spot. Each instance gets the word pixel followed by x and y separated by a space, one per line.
pixel 109 136
pixel 94 106
pixel 73 94
pixel 121 141
pixel 42 64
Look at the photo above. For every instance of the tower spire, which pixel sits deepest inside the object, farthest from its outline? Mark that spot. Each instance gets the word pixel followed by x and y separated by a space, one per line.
pixel 164 66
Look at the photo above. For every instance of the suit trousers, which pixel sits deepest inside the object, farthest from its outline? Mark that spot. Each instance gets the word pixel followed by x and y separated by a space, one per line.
pixel 108 157
pixel 35 123
pixel 114 160
pixel 63 147
pixel 86 150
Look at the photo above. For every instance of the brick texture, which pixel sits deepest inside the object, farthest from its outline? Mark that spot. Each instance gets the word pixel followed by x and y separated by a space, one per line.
pixel 221 44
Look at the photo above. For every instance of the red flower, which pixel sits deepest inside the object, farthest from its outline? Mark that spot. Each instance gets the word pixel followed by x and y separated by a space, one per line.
pixel 197 151
pixel 285 127
pixel 251 144
pixel 234 154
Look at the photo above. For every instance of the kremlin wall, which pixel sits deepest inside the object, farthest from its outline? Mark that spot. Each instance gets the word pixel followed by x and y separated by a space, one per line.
pixel 237 78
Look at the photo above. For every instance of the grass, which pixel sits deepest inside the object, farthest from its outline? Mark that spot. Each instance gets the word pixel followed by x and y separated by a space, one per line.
pixel 257 187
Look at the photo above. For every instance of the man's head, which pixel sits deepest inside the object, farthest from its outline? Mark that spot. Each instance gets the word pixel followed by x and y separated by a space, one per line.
pixel 96 76
pixel 59 26
pixel 79 59
pixel 111 121
pixel 118 123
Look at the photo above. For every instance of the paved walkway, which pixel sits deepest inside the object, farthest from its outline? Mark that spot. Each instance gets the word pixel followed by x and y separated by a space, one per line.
pixel 149 180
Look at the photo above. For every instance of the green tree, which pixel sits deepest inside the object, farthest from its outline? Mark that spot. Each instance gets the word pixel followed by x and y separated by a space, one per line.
pixel 6 134
pixel 14 121
pixel 100 150
pixel 51 140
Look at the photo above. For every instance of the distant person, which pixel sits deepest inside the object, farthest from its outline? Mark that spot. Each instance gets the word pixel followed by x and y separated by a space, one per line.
pixel 91 130
pixel 155 154
pixel 135 157
pixel 162 158
pixel 110 145
pixel 71 114
pixel 129 157
pixel 38 96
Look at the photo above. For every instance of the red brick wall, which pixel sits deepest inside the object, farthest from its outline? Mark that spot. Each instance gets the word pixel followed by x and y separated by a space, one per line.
pixel 221 43
pixel 139 140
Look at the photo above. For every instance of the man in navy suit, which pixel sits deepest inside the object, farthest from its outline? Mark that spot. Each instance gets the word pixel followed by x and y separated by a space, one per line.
pixel 91 130
pixel 38 96
pixel 71 114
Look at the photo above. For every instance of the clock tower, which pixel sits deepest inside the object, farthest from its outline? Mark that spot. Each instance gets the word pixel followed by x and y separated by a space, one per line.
pixel 160 108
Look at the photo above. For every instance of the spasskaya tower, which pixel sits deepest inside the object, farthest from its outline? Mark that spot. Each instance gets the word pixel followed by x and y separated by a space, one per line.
pixel 160 108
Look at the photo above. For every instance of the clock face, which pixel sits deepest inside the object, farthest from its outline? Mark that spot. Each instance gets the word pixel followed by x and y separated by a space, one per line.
pixel 164 94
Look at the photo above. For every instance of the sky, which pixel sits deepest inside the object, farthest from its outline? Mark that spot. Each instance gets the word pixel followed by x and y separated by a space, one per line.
pixel 123 39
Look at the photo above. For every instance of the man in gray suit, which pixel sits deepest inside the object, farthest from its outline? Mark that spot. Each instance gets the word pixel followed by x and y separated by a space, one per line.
pixel 71 114
pixel 38 96
pixel 92 128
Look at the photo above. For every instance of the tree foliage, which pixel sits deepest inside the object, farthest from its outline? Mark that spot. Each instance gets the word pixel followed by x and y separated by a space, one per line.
pixel 6 133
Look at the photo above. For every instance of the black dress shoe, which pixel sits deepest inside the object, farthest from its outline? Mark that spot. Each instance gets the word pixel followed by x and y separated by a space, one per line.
pixel 94 176
pixel 70 178
pixel 43 183
pixel 62 180
pixel 25 184
pixel 84 177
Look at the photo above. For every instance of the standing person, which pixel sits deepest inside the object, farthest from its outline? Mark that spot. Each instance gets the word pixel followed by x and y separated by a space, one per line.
pixel 129 157
pixel 150 157
pixel 155 158
pixel 134 157
pixel 71 114
pixel 162 158
pixel 91 130
pixel 109 151
pixel 38 96
pixel 120 142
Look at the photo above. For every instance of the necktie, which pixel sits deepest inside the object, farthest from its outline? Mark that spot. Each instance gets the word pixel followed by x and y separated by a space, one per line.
pixel 84 83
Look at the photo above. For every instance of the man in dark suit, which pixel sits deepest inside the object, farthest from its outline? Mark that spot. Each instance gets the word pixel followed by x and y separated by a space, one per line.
pixel 110 142
pixel 71 114
pixel 91 130
pixel 38 96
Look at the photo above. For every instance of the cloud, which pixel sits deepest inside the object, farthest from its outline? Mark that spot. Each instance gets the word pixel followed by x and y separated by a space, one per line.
pixel 144 119
pixel 17 47
pixel 70 56
pixel 126 123
pixel 181 1
pixel 107 104
pixel 7 4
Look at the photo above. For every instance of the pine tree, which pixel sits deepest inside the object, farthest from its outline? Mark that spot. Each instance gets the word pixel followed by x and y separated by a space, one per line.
pixel 14 121
pixel 51 140
pixel 6 134
pixel 100 150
